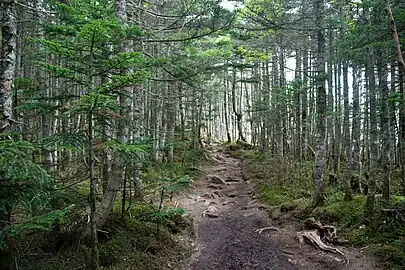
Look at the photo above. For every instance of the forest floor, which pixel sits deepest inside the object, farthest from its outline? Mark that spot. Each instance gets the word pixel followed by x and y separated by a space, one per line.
pixel 226 215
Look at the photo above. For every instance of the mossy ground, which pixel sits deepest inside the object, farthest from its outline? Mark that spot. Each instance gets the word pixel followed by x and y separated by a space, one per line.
pixel 147 237
pixel 285 186
pixel 124 243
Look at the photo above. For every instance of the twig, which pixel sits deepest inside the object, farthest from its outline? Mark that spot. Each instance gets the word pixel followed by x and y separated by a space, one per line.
pixel 267 229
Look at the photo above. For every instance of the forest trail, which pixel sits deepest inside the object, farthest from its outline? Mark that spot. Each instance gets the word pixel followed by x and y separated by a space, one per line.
pixel 226 217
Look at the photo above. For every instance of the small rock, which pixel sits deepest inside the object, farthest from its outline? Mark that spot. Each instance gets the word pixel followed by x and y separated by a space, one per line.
pixel 211 215
pixel 208 203
pixel 208 196
pixel 232 195
pixel 220 169
pixel 228 202
pixel 218 194
pixel 216 180
pixel 231 180
pixel 214 187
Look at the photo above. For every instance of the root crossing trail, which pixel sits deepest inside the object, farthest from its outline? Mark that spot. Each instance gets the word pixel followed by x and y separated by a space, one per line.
pixel 226 218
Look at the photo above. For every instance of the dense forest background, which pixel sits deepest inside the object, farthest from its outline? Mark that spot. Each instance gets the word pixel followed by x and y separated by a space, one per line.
pixel 106 105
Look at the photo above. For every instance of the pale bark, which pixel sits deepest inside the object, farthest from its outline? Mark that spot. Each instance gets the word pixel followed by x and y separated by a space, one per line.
pixel 401 62
pixel 114 182
pixel 298 76
pixel 402 127
pixel 356 174
pixel 304 98
pixel 330 123
pixel 93 225
pixel 385 126
pixel 395 37
pixel 372 177
pixel 320 106
pixel 346 129
pixel 8 62
pixel 228 134
pixel 237 113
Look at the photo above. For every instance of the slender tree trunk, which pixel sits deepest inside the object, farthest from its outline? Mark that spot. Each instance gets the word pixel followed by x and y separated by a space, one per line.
pixel 298 76
pixel 320 106
pixel 395 36
pixel 385 126
pixel 7 69
pixel 8 61
pixel 228 134
pixel 401 62
pixel 118 168
pixel 304 109
pixel 93 225
pixel 402 127
pixel 346 127
pixel 356 174
pixel 238 114
pixel 372 177
pixel 338 121
pixel 330 123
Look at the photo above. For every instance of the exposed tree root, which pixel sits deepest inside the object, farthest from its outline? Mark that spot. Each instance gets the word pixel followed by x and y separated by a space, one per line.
pixel 318 233
pixel 327 232
pixel 315 238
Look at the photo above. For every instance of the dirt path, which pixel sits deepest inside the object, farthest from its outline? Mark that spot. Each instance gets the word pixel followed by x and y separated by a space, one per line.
pixel 226 217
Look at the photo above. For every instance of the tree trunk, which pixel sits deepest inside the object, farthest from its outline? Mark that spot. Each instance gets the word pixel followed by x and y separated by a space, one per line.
pixel 93 225
pixel 356 173
pixel 238 113
pixel 402 127
pixel 372 177
pixel 320 106
pixel 330 118
pixel 304 109
pixel 7 69
pixel 385 126
pixel 298 77
pixel 118 168
pixel 8 61
pixel 228 134
pixel 346 127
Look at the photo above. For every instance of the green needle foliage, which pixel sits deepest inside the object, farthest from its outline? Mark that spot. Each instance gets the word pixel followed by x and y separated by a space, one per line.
pixel 23 185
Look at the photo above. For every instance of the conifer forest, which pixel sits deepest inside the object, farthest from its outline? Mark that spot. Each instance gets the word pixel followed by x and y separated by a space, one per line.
pixel 202 134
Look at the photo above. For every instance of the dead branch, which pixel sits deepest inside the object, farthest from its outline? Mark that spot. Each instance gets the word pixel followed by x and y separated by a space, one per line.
pixel 395 36
pixel 267 229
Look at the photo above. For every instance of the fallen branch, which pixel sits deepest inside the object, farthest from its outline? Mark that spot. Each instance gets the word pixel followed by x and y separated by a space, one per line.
pixel 267 229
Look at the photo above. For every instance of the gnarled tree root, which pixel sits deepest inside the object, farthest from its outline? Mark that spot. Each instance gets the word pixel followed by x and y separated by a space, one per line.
pixel 315 238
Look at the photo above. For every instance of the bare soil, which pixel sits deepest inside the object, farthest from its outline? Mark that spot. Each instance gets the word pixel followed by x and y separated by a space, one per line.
pixel 226 216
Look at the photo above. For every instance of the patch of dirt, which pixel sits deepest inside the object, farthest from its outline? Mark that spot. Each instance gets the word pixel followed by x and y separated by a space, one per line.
pixel 226 220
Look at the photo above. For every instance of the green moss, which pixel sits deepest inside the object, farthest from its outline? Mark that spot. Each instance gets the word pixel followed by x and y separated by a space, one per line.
pixel 274 195
pixel 393 253
pixel 345 213
pixel 397 199
pixel 286 187
pixel 133 244
pixel 333 195
pixel 83 188
pixel 357 236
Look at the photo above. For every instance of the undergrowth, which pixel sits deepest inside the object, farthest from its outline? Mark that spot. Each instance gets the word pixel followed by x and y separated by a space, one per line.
pixel 144 237
pixel 285 186
pixel 134 242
